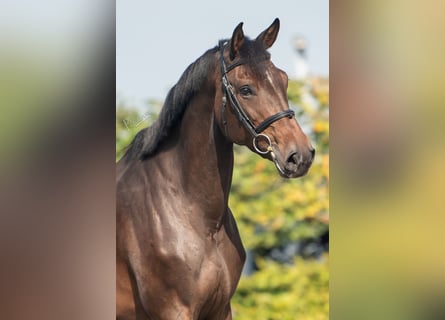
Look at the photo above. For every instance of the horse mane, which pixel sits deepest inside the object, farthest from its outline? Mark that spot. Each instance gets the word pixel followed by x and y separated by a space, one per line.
pixel 147 141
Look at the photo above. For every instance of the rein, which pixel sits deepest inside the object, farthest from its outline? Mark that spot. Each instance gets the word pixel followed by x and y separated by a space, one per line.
pixel 256 132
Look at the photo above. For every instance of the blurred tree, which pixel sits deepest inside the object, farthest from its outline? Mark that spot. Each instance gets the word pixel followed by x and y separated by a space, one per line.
pixel 129 121
pixel 284 292
pixel 276 216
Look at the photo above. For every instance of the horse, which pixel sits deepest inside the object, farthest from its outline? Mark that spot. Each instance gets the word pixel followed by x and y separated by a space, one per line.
pixel 178 250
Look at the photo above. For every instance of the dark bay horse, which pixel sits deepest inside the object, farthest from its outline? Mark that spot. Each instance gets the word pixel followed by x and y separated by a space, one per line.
pixel 179 253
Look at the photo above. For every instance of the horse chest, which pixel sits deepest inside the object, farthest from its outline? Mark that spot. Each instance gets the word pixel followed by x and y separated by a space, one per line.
pixel 214 275
pixel 207 265
pixel 203 272
pixel 216 281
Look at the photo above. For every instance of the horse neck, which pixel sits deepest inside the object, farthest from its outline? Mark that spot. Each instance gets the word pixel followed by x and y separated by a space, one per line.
pixel 206 159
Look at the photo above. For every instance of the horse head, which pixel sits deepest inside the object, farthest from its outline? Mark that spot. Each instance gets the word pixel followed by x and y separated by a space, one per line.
pixel 255 109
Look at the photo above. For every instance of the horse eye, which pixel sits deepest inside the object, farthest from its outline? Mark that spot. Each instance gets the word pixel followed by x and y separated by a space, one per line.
pixel 245 91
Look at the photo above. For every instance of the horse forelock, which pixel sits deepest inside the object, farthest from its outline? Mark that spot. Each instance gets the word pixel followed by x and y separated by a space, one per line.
pixel 254 54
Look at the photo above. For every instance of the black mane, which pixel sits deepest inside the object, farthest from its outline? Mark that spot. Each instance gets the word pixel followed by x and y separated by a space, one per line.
pixel 147 141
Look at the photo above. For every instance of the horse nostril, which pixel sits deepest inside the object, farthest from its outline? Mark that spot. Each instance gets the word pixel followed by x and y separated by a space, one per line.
pixel 293 158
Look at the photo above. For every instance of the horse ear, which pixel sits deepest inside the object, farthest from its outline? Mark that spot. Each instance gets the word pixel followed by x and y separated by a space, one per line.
pixel 268 36
pixel 237 41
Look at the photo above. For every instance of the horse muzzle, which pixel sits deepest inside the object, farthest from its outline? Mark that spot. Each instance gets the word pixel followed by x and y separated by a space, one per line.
pixel 296 164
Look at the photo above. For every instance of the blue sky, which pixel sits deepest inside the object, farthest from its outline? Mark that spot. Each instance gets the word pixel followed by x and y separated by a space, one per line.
pixel 157 40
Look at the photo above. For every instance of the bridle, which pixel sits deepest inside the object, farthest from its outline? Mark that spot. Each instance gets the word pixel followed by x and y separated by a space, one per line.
pixel 256 132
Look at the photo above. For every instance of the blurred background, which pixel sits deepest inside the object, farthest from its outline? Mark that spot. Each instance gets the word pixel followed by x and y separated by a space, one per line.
pixel 57 159
pixel 387 159
pixel 284 224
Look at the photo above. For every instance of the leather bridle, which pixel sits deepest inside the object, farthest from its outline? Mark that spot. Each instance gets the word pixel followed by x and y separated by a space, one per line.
pixel 255 131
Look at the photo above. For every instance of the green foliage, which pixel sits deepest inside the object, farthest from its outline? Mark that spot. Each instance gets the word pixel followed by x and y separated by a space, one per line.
pixel 129 121
pixel 272 212
pixel 284 292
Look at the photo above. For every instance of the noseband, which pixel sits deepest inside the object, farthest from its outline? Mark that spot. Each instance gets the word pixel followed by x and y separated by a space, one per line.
pixel 256 132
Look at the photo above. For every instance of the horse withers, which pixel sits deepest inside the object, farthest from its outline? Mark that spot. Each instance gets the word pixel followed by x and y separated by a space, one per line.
pixel 179 253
